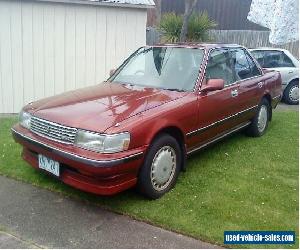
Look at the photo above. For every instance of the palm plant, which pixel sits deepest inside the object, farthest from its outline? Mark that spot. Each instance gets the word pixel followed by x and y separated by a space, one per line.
pixel 198 26
pixel 170 27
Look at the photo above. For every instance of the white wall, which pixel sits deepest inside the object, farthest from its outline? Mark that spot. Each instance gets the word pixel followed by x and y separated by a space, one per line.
pixel 48 48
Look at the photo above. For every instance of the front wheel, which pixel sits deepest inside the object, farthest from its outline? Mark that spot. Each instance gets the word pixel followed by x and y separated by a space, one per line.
pixel 291 93
pixel 260 122
pixel 161 167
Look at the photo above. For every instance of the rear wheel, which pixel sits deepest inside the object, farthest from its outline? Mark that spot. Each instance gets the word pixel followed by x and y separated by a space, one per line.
pixel 260 122
pixel 161 167
pixel 291 93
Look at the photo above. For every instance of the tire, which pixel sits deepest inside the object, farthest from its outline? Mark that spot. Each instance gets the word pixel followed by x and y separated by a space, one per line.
pixel 260 122
pixel 161 167
pixel 291 93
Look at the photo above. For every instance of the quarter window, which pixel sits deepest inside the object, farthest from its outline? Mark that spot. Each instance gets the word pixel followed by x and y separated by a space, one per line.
pixel 253 67
pixel 243 65
pixel 287 62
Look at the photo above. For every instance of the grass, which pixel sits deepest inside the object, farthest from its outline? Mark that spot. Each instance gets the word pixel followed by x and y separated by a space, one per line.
pixel 239 184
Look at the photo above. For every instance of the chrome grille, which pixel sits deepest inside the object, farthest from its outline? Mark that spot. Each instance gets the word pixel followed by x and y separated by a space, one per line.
pixel 53 131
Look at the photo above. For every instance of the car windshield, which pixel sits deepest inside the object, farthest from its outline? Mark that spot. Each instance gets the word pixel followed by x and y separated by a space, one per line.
pixel 161 67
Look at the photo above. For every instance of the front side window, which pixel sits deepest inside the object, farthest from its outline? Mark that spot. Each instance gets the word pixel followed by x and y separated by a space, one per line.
pixel 220 66
pixel 161 67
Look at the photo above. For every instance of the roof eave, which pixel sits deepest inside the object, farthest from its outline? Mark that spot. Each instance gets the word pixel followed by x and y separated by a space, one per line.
pixel 104 4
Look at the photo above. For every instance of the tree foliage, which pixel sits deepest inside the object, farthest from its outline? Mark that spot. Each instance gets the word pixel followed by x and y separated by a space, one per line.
pixel 170 27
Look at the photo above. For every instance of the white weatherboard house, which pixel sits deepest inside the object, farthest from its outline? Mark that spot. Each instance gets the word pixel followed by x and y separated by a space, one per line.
pixel 51 46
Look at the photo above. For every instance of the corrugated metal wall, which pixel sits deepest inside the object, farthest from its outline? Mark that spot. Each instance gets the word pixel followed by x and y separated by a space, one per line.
pixel 229 14
pixel 49 48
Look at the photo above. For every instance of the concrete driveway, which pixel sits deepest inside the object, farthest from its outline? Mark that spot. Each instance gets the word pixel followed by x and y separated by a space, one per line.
pixel 285 107
pixel 31 217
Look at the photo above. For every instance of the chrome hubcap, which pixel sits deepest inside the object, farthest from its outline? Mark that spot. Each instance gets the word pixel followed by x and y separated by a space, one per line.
pixel 163 168
pixel 294 94
pixel 262 118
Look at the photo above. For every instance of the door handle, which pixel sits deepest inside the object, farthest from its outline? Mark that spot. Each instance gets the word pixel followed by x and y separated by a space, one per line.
pixel 234 93
pixel 260 84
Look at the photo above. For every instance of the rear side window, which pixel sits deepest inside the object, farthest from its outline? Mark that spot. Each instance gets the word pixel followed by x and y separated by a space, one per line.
pixel 272 59
pixel 220 66
pixel 244 66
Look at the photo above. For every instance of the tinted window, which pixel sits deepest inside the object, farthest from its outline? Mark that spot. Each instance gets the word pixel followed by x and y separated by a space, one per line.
pixel 220 66
pixel 272 59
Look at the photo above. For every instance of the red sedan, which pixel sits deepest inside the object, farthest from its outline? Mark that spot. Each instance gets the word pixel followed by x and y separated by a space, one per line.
pixel 137 128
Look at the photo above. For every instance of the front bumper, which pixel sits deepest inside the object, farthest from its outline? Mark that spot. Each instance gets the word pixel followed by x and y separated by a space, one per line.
pixel 103 174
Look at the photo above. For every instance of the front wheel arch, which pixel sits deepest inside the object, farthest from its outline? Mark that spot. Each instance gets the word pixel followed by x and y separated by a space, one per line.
pixel 176 133
pixel 145 183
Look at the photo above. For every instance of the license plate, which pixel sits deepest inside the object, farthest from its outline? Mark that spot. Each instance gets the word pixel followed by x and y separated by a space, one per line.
pixel 49 165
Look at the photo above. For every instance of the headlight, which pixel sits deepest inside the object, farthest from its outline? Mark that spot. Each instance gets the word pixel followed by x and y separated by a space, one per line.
pixel 101 142
pixel 24 119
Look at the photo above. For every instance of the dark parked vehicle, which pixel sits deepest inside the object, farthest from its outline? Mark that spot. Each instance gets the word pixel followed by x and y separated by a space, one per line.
pixel 136 129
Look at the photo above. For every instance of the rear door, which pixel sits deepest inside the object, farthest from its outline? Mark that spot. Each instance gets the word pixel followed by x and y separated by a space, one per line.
pixel 250 81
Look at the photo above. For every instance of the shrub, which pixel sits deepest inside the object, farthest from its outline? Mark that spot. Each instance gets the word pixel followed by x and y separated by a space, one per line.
pixel 170 27
pixel 198 27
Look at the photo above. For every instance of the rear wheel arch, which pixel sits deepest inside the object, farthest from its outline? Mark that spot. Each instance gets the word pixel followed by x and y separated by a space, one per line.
pixel 294 80
pixel 259 123
pixel 268 97
pixel 292 83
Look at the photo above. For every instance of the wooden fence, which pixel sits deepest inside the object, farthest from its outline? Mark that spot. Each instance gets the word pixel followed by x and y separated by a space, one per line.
pixel 247 38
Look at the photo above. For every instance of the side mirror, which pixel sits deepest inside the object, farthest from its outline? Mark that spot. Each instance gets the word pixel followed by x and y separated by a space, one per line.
pixel 213 84
pixel 111 72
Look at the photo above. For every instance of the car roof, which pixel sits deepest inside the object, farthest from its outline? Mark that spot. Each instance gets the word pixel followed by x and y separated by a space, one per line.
pixel 197 45
pixel 268 48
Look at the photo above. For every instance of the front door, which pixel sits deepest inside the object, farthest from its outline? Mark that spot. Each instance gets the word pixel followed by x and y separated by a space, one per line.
pixel 217 109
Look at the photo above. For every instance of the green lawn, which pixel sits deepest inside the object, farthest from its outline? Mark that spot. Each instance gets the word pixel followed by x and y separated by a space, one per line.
pixel 239 184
